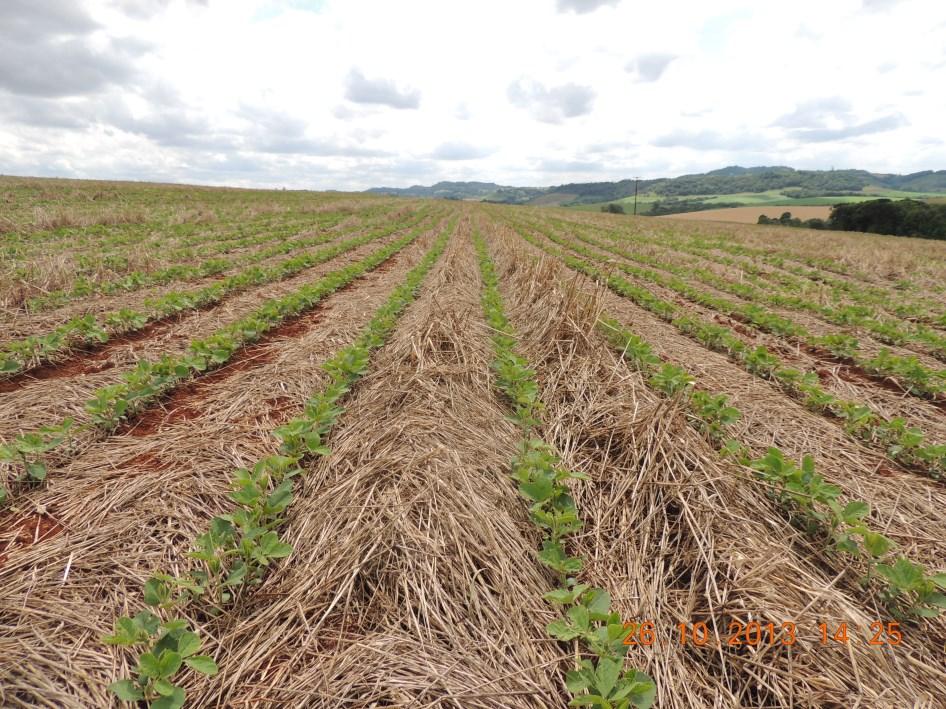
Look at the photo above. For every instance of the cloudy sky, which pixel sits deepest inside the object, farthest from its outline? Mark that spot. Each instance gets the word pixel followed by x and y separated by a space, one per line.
pixel 350 94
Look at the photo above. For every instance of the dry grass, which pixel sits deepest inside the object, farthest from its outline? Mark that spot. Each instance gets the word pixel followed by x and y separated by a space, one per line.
pixel 59 217
pixel 677 535
pixel 872 257
pixel 750 215
pixel 131 505
pixel 420 588
pixel 414 580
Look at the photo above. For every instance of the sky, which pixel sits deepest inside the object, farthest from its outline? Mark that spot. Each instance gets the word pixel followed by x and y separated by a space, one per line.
pixel 351 94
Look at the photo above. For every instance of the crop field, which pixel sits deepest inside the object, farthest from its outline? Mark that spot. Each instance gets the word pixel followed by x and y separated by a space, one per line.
pixel 750 215
pixel 770 199
pixel 278 448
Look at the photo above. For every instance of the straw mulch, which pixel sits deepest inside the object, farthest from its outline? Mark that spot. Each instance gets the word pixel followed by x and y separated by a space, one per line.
pixel 49 401
pixel 129 506
pixel 677 535
pixel 414 581
pixel 21 324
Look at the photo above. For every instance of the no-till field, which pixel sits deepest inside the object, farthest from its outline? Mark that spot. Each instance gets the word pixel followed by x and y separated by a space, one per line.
pixel 750 215
pixel 368 452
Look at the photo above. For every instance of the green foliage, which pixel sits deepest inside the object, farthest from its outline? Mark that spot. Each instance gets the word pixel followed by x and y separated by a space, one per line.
pixel 168 646
pixel 713 414
pixel 544 483
pixel 31 351
pixel 239 547
pixel 28 451
pixel 809 500
pixel 928 459
pixel 671 380
pixel 906 217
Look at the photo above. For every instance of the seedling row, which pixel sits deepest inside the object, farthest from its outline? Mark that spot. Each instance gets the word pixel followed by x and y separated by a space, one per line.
pixel 600 677
pixel 236 551
pixel 111 405
pixel 32 351
pixel 901 441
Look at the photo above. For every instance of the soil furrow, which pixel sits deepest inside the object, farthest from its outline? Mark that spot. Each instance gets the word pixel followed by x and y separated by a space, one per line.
pixel 47 401
pixel 41 323
pixel 902 503
pixel 422 585
pixel 680 536
pixel 150 496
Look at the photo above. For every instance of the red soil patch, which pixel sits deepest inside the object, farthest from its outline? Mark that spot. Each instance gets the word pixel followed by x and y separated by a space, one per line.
pixel 850 372
pixel 83 361
pixel 87 360
pixel 27 531
pixel 148 461
pixel 184 403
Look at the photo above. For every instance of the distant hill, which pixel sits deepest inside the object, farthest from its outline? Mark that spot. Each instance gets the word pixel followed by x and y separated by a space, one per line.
pixel 693 189
pixel 478 191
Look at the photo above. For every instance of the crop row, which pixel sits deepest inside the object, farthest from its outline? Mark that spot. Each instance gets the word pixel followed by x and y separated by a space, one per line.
pixel 182 263
pixel 864 316
pixel 915 378
pixel 807 498
pixel 105 237
pixel 601 679
pixel 810 502
pixel 912 376
pixel 148 380
pixel 238 548
pixel 787 273
pixel 841 291
pixel 31 351
pixel 901 442
pixel 797 278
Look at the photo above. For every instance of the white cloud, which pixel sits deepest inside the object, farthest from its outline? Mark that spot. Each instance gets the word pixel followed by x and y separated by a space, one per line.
pixel 583 6
pixel 351 93
pixel 650 67
pixel 551 104
pixel 385 92
pixel 458 150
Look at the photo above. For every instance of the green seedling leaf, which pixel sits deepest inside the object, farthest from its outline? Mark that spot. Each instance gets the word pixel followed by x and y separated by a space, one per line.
pixel 126 690
pixel 606 675
pixel 188 644
pixel 203 664
pixel 174 701
pixel 165 688
pixel 539 489
pixel 36 470
pixel 876 544
pixel 562 629
pixel 855 511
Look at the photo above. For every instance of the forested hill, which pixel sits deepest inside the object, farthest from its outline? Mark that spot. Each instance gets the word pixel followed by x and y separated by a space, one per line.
pixel 728 180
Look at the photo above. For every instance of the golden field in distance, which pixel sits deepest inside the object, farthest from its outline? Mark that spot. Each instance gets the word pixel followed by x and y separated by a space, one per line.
pixel 750 215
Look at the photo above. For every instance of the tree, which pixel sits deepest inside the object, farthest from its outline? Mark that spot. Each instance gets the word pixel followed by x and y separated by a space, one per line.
pixel 613 208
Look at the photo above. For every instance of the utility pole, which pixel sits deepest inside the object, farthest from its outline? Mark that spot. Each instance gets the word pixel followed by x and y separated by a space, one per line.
pixel 636 178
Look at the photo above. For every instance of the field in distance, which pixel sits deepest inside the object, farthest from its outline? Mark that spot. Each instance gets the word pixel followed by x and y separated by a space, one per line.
pixel 299 449
pixel 750 215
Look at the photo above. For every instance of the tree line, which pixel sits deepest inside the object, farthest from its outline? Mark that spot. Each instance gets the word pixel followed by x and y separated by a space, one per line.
pixel 905 217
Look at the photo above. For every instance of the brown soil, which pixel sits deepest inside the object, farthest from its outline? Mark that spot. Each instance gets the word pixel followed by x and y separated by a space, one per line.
pixel 26 531
pixel 750 215
pixel 185 402
pixel 88 360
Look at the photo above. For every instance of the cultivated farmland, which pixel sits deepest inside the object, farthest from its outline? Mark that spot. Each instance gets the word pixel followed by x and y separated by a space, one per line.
pixel 750 215
pixel 300 449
